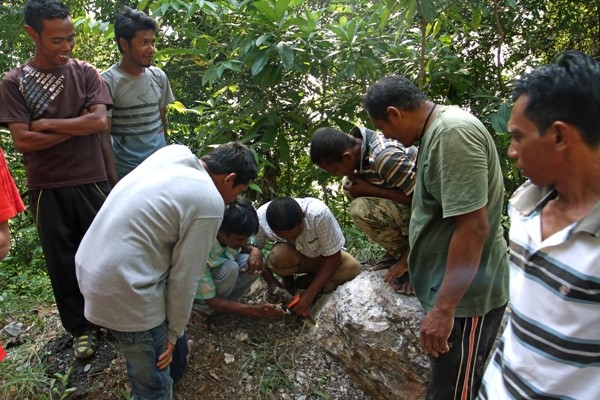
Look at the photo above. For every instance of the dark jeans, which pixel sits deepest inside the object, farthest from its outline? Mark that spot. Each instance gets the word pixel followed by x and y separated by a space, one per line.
pixel 62 217
pixel 141 351
pixel 458 373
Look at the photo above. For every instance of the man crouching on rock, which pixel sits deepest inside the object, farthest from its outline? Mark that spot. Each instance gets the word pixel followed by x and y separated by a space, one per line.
pixel 307 252
pixel 141 258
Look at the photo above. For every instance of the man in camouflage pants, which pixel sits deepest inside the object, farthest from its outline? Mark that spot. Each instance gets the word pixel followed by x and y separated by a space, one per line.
pixel 379 180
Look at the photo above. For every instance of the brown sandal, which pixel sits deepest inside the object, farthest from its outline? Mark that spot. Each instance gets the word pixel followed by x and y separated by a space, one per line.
pixel 199 320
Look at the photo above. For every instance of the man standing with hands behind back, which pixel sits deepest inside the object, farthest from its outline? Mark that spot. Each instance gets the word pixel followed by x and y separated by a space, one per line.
pixel 55 109
pixel 457 260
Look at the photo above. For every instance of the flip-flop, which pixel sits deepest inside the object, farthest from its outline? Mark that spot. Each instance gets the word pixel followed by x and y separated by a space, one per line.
pixel 199 320
pixel 191 347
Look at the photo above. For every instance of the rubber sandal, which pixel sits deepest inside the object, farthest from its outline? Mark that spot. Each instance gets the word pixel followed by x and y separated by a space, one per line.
pixel 199 320
pixel 84 344
pixel 191 346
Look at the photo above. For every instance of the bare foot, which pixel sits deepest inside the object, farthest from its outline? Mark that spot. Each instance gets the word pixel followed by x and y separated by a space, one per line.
pixel 403 285
pixel 398 279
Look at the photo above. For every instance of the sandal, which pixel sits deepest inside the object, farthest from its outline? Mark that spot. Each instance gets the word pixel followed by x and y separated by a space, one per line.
pixel 199 320
pixel 191 346
pixel 84 344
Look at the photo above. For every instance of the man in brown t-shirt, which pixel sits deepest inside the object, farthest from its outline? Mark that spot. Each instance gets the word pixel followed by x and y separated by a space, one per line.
pixel 55 109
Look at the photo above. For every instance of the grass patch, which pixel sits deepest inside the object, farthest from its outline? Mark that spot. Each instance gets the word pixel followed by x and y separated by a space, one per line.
pixel 23 374
pixel 25 299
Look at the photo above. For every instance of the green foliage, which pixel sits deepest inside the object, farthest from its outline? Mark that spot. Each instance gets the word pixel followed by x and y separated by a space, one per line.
pixel 358 244
pixel 269 72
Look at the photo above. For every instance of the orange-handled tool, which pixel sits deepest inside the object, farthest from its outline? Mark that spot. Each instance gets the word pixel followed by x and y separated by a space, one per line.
pixel 295 301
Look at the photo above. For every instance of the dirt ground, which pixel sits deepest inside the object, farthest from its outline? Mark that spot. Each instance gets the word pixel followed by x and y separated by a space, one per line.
pixel 237 358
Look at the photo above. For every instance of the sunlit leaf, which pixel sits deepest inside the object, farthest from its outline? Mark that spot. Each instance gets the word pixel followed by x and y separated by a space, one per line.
pixel 286 53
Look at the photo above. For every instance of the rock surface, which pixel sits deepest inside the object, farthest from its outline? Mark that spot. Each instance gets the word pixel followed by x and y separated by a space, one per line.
pixel 373 332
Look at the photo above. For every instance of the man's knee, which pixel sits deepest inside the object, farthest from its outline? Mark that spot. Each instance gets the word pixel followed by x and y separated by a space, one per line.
pixel 369 215
pixel 359 212
pixel 348 269
pixel 225 277
pixel 282 259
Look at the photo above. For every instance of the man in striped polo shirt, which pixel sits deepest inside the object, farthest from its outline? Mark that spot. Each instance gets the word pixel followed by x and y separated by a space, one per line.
pixel 551 346
pixel 379 178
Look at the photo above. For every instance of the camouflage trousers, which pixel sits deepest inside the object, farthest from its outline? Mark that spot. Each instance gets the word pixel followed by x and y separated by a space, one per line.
pixel 384 221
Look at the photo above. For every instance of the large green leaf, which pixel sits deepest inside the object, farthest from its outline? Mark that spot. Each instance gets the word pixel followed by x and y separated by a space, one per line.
pixel 260 61
pixel 286 53
pixel 267 9
pixel 281 7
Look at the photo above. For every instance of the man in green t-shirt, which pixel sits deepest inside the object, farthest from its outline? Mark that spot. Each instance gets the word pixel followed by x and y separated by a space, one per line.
pixel 457 259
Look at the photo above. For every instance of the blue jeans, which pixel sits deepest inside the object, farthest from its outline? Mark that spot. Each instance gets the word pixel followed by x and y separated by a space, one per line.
pixel 230 282
pixel 141 351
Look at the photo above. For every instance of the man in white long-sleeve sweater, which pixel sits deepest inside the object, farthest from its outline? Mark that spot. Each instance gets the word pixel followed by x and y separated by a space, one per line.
pixel 141 258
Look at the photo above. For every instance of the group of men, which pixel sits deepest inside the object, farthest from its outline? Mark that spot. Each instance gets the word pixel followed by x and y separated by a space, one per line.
pixel 171 238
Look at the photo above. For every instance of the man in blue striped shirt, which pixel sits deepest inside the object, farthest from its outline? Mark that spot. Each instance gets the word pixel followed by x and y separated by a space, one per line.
pixel 551 346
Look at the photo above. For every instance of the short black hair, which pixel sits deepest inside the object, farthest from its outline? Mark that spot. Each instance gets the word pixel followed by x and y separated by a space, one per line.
pixel 392 91
pixel 232 157
pixel 129 21
pixel 329 144
pixel 284 213
pixel 566 90
pixel 240 218
pixel 36 11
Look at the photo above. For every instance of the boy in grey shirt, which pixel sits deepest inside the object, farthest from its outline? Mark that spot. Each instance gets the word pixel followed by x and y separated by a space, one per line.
pixel 140 93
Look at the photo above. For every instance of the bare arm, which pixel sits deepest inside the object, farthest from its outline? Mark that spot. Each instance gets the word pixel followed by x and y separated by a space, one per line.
pixel 255 261
pixel 261 311
pixel 108 155
pixel 163 118
pixel 358 187
pixel 464 256
pixel 4 239
pixel 326 270
pixel 27 140
pixel 91 121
